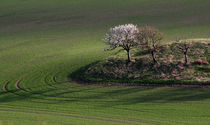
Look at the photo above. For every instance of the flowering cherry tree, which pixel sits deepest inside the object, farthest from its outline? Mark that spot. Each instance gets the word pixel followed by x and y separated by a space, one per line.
pixel 124 36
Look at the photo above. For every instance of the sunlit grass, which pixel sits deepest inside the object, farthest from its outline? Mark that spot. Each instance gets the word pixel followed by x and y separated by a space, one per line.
pixel 43 42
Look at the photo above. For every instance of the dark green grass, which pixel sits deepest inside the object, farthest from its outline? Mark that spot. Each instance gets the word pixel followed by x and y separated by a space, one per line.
pixel 43 39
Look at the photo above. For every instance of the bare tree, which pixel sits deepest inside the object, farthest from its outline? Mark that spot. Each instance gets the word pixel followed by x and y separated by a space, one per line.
pixel 150 39
pixel 124 36
pixel 184 47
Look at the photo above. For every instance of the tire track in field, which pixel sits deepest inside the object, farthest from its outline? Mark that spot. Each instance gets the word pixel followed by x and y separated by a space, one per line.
pixel 46 81
pixel 40 97
pixel 30 94
pixel 5 86
pixel 51 87
pixel 72 115
pixel 80 116
pixel 17 84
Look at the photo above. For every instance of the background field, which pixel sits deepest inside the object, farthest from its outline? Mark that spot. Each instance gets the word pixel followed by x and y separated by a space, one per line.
pixel 43 41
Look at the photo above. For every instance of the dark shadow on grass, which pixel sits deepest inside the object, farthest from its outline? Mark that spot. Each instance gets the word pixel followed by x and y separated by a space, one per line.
pixel 142 53
pixel 110 97
pixel 79 74
pixel 203 69
pixel 130 96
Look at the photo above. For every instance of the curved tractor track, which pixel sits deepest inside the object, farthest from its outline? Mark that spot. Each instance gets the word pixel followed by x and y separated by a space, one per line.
pixel 17 84
pixel 22 92
pixel 5 86
pixel 31 93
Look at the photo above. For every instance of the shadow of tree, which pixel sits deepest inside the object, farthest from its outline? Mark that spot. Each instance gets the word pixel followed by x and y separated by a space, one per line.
pixel 107 96
pixel 142 53
pixel 203 69
pixel 130 96
pixel 80 73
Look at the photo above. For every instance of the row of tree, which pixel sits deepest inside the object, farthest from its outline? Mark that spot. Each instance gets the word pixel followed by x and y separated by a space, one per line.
pixel 129 36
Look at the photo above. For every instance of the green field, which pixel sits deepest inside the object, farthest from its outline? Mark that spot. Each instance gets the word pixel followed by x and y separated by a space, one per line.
pixel 42 42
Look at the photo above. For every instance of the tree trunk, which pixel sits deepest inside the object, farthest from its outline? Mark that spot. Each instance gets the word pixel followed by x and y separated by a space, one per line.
pixel 153 57
pixel 185 56
pixel 129 56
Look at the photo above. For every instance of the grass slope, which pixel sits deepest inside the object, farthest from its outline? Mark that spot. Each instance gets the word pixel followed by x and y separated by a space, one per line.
pixel 170 69
pixel 43 42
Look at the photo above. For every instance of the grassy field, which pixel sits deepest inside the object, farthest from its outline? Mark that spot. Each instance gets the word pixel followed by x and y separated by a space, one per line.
pixel 43 42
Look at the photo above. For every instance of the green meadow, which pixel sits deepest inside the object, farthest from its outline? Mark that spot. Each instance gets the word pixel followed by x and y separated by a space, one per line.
pixel 44 42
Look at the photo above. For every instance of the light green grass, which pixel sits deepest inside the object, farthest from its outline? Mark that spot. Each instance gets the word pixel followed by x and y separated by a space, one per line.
pixel 42 39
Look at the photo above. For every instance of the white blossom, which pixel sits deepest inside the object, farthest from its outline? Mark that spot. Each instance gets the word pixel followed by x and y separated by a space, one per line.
pixel 124 36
